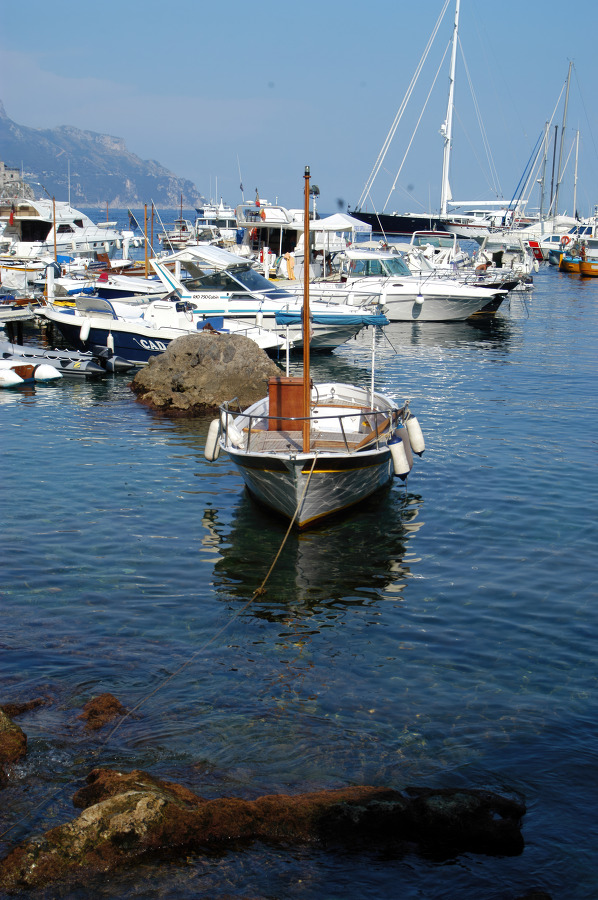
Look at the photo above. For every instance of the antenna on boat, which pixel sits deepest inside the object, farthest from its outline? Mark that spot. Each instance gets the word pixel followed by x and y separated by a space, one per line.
pixel 306 380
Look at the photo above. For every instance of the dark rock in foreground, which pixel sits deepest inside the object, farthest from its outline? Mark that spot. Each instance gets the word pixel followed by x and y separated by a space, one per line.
pixel 130 816
pixel 198 372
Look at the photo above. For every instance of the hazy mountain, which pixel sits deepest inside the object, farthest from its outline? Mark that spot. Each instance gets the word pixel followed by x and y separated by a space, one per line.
pixel 102 170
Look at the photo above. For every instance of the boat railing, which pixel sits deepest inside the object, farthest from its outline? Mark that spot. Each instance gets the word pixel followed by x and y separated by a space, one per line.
pixel 355 430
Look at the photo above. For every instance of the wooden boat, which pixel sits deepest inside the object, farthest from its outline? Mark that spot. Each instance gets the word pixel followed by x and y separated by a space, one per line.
pixel 570 263
pixel 589 268
pixel 308 451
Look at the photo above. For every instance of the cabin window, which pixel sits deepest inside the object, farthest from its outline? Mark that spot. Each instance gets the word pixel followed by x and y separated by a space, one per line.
pixel 65 229
pixel 79 223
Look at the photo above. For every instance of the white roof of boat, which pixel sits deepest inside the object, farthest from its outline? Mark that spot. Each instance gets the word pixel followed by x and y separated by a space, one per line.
pixel 207 253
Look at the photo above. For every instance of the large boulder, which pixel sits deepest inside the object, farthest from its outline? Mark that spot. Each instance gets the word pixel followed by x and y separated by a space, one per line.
pixel 198 372
pixel 129 816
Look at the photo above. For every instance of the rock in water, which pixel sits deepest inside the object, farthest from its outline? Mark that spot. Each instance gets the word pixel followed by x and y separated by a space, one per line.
pixel 129 816
pixel 198 372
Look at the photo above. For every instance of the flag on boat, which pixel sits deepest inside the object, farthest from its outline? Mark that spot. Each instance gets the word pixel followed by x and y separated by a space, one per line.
pixel 133 223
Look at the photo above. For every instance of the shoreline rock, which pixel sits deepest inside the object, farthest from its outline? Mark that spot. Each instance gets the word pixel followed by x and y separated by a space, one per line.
pixel 129 816
pixel 198 372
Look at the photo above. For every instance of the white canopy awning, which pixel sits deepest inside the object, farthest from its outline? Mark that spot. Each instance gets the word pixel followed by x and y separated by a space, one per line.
pixel 340 222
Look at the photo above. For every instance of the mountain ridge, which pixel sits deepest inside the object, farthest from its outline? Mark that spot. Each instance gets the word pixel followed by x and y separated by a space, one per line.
pixel 102 169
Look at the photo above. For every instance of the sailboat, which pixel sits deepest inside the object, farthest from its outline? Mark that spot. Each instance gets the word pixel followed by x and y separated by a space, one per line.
pixel 308 451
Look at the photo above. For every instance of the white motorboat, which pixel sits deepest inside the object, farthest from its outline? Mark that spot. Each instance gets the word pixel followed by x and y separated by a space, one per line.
pixel 136 332
pixel 218 283
pixel 38 228
pixel 308 451
pixel 405 297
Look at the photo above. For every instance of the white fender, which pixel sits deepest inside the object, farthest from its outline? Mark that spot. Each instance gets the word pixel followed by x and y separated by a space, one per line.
pixel 419 299
pixel 229 430
pixel 212 448
pixel 416 438
pixel 259 319
pixel 46 372
pixel 106 246
pixel 399 459
pixel 84 330
pixel 110 342
pixel 403 434
pixel 8 378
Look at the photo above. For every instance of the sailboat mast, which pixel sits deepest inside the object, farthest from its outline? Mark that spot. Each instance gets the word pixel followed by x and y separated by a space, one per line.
pixel 559 170
pixel 306 377
pixel 447 126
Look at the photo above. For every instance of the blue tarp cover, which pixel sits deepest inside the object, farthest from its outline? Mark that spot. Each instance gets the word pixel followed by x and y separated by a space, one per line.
pixel 292 318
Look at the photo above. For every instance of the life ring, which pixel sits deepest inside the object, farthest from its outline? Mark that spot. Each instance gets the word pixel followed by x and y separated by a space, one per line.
pixel 565 240
pixel 263 215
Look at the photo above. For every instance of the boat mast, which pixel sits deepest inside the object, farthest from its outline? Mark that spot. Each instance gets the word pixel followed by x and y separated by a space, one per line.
pixel 575 177
pixel 447 126
pixel 559 170
pixel 306 379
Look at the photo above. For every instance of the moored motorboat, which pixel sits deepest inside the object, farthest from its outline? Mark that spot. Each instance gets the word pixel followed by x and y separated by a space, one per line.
pixel 308 451
pixel 136 332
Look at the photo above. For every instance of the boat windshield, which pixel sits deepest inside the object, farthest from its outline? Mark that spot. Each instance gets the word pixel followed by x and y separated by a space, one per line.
pixel 230 279
pixel 378 267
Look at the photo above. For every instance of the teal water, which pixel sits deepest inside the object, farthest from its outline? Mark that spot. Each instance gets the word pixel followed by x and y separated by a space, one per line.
pixel 444 635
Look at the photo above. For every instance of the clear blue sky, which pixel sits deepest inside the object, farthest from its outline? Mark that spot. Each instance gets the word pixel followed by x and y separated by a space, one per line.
pixel 207 88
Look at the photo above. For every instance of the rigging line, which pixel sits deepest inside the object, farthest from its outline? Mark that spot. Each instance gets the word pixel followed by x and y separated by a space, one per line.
pixel 484 172
pixel 585 111
pixel 261 588
pixel 486 143
pixel 394 184
pixel 389 137
pixel 172 249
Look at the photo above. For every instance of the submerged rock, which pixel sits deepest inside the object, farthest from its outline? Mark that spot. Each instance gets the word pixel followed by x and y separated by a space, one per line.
pixel 101 710
pixel 198 372
pixel 13 741
pixel 17 709
pixel 133 815
pixel 13 744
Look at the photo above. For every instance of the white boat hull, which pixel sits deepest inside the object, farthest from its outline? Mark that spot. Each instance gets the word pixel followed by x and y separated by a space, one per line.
pixel 289 486
pixel 350 456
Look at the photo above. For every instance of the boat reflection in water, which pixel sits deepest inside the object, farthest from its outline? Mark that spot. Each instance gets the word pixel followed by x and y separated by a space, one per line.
pixel 358 560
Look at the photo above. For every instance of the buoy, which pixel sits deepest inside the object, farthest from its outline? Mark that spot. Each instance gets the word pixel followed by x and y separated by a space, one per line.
pixel 403 435
pixel 84 331
pixel 212 448
pixel 110 341
pixel 399 459
pixel 8 378
pixel 416 438
pixel 419 299
pixel 231 433
pixel 46 372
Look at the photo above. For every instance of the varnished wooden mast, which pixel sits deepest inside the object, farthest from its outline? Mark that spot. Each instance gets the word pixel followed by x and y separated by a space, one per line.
pixel 306 326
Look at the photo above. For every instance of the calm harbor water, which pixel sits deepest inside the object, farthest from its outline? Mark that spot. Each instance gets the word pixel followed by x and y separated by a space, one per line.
pixel 443 635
